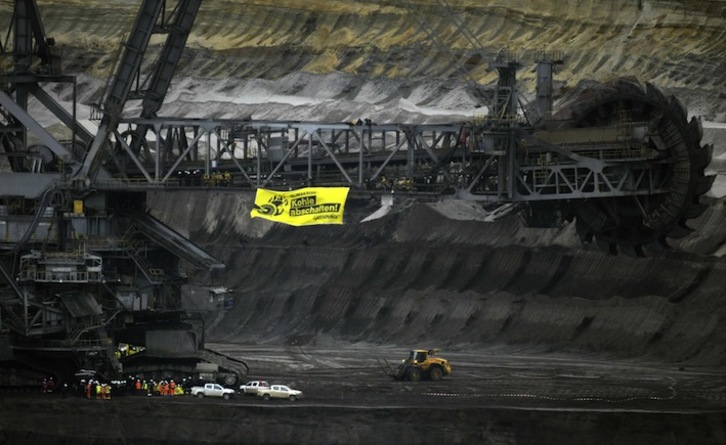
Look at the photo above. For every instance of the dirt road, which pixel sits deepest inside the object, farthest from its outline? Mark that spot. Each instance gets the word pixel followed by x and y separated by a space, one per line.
pixel 351 375
pixel 492 397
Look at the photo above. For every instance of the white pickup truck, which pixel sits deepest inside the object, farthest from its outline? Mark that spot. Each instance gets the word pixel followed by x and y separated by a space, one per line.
pixel 252 386
pixel 279 392
pixel 212 390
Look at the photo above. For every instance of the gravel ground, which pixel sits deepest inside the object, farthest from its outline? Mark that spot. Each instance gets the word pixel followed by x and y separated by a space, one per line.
pixel 492 397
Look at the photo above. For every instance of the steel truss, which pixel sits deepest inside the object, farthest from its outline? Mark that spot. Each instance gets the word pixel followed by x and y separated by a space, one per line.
pixel 470 161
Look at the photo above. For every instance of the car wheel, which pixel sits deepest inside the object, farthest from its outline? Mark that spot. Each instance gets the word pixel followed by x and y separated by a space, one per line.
pixel 266 397
pixel 226 397
pixel 436 373
pixel 293 398
pixel 414 374
pixel 200 395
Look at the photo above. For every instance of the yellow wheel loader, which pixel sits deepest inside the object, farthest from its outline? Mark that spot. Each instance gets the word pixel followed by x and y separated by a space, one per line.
pixel 421 364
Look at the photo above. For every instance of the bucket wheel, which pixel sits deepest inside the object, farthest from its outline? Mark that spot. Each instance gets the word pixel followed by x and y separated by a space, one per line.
pixel 634 224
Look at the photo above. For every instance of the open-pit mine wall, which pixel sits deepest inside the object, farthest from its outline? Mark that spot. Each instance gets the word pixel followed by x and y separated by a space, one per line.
pixel 329 59
pixel 419 277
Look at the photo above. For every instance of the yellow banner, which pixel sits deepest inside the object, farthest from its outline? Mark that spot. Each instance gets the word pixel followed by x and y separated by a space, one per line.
pixel 302 207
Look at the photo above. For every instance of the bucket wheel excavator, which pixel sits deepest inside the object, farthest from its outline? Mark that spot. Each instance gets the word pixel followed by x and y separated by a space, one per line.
pixel 84 267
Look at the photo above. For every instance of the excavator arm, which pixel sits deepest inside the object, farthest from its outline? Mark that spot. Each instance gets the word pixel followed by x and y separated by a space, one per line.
pixel 151 19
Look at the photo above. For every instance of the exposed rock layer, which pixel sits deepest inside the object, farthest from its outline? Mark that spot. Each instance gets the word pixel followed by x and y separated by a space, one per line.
pixel 378 52
pixel 426 279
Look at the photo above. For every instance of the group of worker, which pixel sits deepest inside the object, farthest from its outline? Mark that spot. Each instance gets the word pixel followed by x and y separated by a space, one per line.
pixel 217 179
pixel 163 388
pixel 48 385
pixel 396 183
pixel 94 388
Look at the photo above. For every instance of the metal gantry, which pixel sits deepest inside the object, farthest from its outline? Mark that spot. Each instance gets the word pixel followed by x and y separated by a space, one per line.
pixel 486 159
